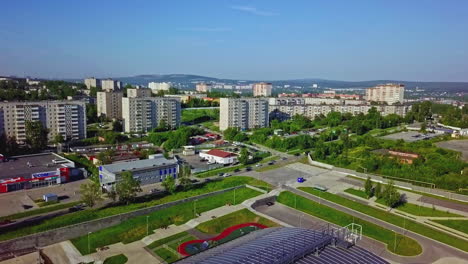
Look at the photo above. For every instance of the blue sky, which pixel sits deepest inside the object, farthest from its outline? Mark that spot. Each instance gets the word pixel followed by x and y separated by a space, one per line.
pixel 425 40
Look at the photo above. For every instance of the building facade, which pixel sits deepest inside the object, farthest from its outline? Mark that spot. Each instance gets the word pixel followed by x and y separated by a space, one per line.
pixel 156 87
pixel 67 118
pixel 111 85
pixel 203 87
pixel 109 104
pixel 262 89
pixel 243 113
pixel 92 82
pixel 218 156
pixel 148 171
pixel 145 113
pixel 389 93
pixel 139 92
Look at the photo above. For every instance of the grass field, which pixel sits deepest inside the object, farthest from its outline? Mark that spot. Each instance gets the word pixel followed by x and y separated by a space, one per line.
pixel 460 225
pixel 166 240
pixel 92 214
pixel 42 210
pixel 415 209
pixel 405 245
pixel 217 225
pixel 175 244
pixel 393 219
pixel 356 192
pixel 166 255
pixel 117 259
pixel 135 228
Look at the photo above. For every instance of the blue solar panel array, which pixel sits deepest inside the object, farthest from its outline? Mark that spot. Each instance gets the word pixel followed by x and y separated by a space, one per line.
pixel 283 245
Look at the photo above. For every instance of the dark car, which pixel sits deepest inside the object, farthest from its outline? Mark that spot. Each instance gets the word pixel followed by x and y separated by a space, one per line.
pixel 271 163
pixel 76 208
pixel 220 174
pixel 236 170
pixel 248 168
pixel 270 203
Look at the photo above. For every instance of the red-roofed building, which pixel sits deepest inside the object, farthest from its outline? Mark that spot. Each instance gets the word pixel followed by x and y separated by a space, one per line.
pixel 219 156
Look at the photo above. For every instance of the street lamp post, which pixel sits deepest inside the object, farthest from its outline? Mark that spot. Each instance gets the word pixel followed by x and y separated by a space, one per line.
pixel 300 220
pixel 194 208
pixel 234 197
pixel 89 247
pixel 147 225
pixel 394 244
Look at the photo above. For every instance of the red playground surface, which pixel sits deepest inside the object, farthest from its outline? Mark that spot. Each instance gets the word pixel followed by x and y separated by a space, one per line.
pixel 182 248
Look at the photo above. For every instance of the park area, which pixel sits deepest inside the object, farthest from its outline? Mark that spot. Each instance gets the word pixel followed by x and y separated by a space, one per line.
pixel 209 234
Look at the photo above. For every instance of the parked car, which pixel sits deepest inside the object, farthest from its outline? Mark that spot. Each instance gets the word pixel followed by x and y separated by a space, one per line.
pixel 220 174
pixel 271 163
pixel 226 175
pixel 284 158
pixel 300 179
pixel 248 168
pixel 236 170
pixel 258 165
pixel 270 203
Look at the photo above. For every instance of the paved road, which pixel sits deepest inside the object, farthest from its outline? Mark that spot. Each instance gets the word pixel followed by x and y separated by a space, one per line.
pixel 433 250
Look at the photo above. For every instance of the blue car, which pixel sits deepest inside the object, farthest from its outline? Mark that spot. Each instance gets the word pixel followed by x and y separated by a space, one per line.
pixel 300 179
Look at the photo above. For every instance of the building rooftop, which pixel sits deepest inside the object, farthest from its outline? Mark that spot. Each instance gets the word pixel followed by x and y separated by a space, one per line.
pixel 158 160
pixel 282 245
pixel 17 166
pixel 220 153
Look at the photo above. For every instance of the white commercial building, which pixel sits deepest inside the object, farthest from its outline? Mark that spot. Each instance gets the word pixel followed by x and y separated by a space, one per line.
pixel 139 92
pixel 148 171
pixel 243 113
pixel 145 113
pixel 389 93
pixel 92 82
pixel 262 89
pixel 67 118
pixel 203 87
pixel 109 104
pixel 218 156
pixel 111 85
pixel 156 87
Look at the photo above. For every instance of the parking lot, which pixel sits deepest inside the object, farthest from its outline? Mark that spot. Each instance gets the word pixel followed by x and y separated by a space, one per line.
pixel 410 136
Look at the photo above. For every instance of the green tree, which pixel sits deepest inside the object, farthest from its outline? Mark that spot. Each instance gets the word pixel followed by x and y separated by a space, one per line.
pixel 244 156
pixel 128 187
pixel 36 135
pixel 390 195
pixel 368 187
pixel 58 139
pixel 90 193
pixel 112 194
pixel 184 176
pixel 117 126
pixel 423 128
pixel 378 190
pixel 169 184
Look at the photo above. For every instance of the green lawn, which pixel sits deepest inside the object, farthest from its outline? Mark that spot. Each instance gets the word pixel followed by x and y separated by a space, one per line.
pixel 393 219
pixel 405 245
pixel 210 125
pixel 42 210
pixel 117 259
pixel 356 192
pixel 135 228
pixel 199 115
pixel 460 225
pixel 92 214
pixel 217 225
pixel 166 255
pixel 166 240
pixel 415 209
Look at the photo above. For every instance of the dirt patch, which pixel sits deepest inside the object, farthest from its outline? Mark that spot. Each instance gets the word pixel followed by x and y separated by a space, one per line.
pixel 456 145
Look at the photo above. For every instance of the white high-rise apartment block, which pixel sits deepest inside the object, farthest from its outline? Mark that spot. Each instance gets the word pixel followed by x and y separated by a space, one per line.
pixel 139 92
pixel 203 87
pixel 389 93
pixel 67 118
pixel 156 87
pixel 243 113
pixel 145 113
pixel 109 104
pixel 92 82
pixel 262 89
pixel 111 85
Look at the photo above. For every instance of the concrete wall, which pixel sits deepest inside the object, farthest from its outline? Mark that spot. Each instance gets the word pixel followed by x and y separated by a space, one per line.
pixel 318 164
pixel 65 233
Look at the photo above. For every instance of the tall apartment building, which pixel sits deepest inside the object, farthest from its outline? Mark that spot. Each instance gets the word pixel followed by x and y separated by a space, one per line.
pixel 262 89
pixel 67 118
pixel 203 87
pixel 92 82
pixel 139 92
pixel 109 103
pixel 111 85
pixel 146 113
pixel 243 113
pixel 156 87
pixel 389 93
pixel 285 108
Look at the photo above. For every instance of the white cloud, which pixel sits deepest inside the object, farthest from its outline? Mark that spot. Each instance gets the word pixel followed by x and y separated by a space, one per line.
pixel 253 10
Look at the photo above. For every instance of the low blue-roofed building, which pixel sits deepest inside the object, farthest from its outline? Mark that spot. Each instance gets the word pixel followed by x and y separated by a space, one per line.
pixel 148 171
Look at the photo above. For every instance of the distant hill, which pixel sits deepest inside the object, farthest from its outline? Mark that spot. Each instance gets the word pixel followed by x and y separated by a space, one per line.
pixel 189 80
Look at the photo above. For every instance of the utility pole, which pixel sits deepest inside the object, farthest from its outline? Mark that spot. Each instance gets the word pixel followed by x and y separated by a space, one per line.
pixel 147 225
pixel 89 247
